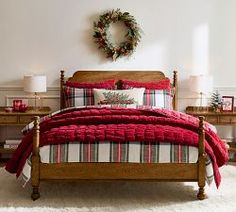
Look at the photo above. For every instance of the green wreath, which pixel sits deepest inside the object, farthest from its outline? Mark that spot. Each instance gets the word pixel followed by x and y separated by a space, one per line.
pixel 101 34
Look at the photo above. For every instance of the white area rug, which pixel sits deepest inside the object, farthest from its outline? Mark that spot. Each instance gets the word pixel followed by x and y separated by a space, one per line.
pixel 118 196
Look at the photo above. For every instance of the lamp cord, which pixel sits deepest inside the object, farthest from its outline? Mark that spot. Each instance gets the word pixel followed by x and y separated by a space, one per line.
pixel 35 100
pixel 201 93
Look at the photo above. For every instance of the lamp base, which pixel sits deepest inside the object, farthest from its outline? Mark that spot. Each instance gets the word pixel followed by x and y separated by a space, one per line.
pixel 36 97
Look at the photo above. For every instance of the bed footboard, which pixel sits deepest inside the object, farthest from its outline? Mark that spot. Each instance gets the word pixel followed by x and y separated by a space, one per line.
pixel 182 172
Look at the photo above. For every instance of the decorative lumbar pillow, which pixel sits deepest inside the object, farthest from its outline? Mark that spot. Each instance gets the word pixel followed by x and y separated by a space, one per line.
pixel 108 97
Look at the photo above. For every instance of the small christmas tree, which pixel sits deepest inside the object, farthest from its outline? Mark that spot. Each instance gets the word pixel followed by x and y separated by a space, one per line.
pixel 216 101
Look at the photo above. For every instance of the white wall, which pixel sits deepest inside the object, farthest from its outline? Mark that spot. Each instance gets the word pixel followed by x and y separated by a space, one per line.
pixel 192 36
pixel 44 36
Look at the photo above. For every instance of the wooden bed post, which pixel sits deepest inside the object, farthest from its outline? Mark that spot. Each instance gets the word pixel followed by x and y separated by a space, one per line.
pixel 62 81
pixel 175 85
pixel 35 160
pixel 201 160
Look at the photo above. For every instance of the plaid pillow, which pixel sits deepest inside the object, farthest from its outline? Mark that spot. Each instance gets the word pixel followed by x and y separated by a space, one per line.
pixel 78 96
pixel 157 94
pixel 81 93
pixel 158 98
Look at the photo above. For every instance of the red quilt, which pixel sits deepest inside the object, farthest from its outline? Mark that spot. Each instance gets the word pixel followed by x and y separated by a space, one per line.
pixel 121 124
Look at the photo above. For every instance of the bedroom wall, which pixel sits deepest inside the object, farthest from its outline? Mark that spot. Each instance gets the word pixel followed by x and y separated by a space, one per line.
pixel 191 36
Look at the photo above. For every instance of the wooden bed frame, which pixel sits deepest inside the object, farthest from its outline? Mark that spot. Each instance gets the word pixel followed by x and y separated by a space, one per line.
pixel 117 171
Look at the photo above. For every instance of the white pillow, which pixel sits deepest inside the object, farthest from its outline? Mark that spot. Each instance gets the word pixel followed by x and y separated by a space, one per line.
pixel 107 97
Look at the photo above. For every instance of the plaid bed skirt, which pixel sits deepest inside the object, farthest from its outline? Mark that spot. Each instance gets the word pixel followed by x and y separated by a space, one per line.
pixel 130 152
pixel 133 152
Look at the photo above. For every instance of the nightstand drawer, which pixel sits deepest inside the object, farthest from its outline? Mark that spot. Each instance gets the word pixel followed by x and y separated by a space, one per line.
pixel 212 119
pixel 8 119
pixel 227 119
pixel 25 119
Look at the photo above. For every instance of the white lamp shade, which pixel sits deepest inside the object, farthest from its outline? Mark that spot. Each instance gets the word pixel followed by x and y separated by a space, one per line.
pixel 35 84
pixel 201 84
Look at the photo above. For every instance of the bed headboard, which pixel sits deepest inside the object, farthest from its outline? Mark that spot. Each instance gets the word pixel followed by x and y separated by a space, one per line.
pixel 96 76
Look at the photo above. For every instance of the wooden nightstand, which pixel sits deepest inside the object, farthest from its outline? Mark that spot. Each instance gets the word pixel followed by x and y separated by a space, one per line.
pixel 216 118
pixel 17 119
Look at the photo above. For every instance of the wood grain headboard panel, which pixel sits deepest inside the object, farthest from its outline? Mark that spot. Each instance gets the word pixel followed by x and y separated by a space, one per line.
pixel 97 76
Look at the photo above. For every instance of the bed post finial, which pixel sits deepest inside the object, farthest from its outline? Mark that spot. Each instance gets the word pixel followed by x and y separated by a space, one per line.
pixel 35 160
pixel 62 82
pixel 201 159
pixel 175 86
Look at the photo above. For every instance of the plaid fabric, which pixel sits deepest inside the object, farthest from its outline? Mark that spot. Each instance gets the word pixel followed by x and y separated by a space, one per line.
pixel 85 97
pixel 158 98
pixel 78 96
pixel 136 152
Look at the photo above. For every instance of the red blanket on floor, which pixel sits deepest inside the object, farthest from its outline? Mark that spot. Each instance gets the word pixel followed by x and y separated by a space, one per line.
pixel 121 124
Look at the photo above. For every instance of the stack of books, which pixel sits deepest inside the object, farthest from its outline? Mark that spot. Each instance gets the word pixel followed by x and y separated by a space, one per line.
pixel 11 144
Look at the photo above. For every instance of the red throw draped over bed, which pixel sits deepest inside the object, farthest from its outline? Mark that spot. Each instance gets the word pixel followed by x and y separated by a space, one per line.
pixel 120 125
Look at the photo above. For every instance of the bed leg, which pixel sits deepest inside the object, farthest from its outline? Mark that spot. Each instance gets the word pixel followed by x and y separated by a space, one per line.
pixel 35 194
pixel 35 177
pixel 201 193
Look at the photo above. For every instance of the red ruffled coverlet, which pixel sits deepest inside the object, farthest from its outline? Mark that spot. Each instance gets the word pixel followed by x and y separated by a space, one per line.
pixel 121 124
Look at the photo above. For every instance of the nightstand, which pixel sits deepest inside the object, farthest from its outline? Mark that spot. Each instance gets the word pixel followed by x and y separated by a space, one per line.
pixel 216 118
pixel 17 119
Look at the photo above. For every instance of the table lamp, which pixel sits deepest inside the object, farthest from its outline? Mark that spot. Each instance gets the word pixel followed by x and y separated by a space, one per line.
pixel 201 84
pixel 35 84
